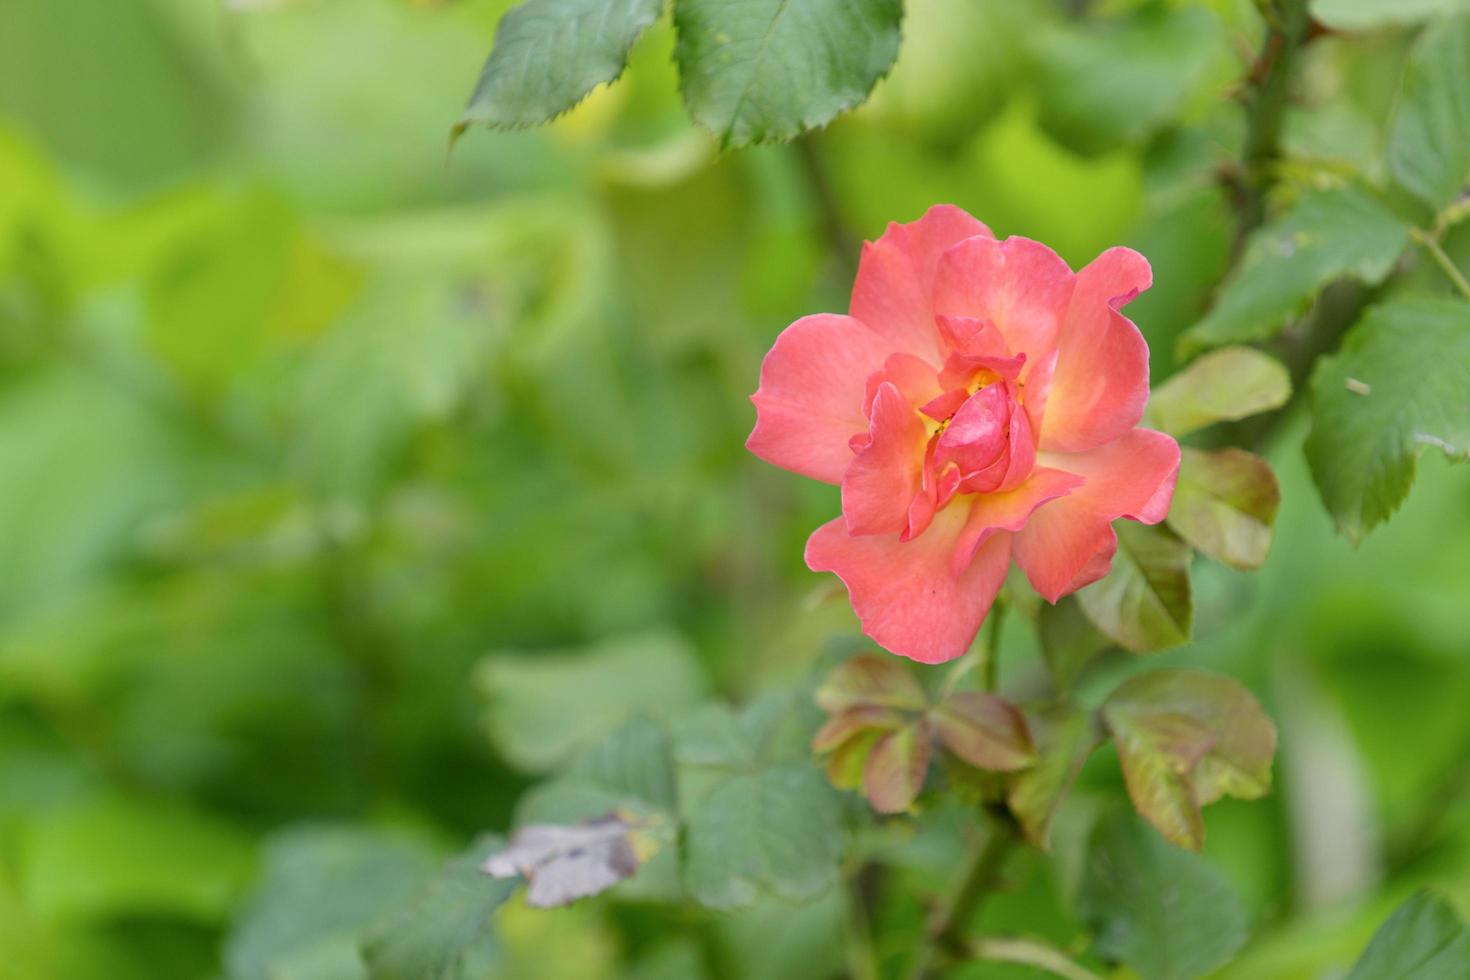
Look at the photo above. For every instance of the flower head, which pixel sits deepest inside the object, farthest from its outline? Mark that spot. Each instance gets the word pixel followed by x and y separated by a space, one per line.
pixel 977 405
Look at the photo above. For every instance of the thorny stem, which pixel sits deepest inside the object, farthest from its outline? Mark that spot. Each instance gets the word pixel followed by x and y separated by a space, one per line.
pixel 992 645
pixel 945 931
pixel 1431 245
pixel 841 242
pixel 1265 108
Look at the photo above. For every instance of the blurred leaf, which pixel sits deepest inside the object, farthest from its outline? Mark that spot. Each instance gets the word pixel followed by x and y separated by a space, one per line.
pixel 986 731
pixel 1222 386
pixel 1424 939
pixel 771 69
pixel 1106 83
pixel 1427 149
pixel 549 54
pixel 896 767
pixel 1396 387
pixel 1326 235
pixel 775 940
pixel 630 772
pixel 1069 641
pixel 540 709
pixel 1167 913
pixel 1065 736
pixel 871 680
pixel 115 856
pixel 1362 15
pixel 320 888
pixel 1225 504
pixel 430 936
pixel 1186 738
pixel 1145 602
pixel 564 862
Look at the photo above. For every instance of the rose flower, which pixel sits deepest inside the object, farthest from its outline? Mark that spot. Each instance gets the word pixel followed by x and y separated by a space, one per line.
pixel 978 404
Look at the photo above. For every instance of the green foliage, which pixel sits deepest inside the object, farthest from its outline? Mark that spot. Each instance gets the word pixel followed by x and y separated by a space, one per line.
pixel 1065 737
pixel 1325 236
pixel 549 54
pixel 1145 603
pixel 1427 150
pixel 1185 739
pixel 1394 390
pixel 1357 15
pixel 1225 504
pixel 770 69
pixel 1222 386
pixel 1424 939
pixel 1168 914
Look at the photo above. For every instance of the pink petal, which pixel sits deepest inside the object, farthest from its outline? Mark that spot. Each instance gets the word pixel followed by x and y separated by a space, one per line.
pixel 1100 384
pixel 1009 510
pixel 969 336
pixel 1131 477
pixel 905 594
pixel 914 377
pixel 810 400
pixel 884 478
pixel 976 436
pixel 895 280
pixel 1019 285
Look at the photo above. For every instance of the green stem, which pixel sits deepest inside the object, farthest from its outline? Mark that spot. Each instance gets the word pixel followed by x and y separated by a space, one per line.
pixel 1431 245
pixel 1029 952
pixel 992 645
pixel 1265 111
pixel 862 958
pixel 945 932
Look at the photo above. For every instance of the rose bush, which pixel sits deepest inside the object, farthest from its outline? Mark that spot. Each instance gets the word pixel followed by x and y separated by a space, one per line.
pixel 979 403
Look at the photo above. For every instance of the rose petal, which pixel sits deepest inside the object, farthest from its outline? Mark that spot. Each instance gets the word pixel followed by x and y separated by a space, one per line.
pixel 1009 510
pixel 884 478
pixel 1019 285
pixel 895 279
pixel 1131 477
pixel 1100 384
pixel 905 593
pixel 810 400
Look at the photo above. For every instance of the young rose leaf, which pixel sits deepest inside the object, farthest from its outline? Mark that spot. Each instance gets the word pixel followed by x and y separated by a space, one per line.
pixel 1428 151
pixel 1325 236
pixel 847 738
pixel 766 70
pixel 1065 737
pixel 871 680
pixel 1424 939
pixel 1167 913
pixel 1396 388
pixel 846 762
pixel 1225 504
pixel 896 767
pixel 1185 738
pixel 563 863
pixel 1069 641
pixel 776 830
pixel 1144 603
pixel 430 937
pixel 549 54
pixel 1223 385
pixel 986 731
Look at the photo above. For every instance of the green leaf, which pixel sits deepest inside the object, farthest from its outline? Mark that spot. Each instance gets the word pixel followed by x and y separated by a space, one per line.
pixel 540 709
pixel 1069 641
pixel 1065 737
pixel 1424 939
pixel 986 731
pixel 896 767
pixel 1167 913
pixel 1359 15
pixel 871 680
pixel 549 54
pixel 1225 505
pixel 1427 148
pixel 1109 82
pixel 321 888
pixel 1185 738
pixel 430 937
pixel 1222 386
pixel 1396 388
pixel 767 70
pixel 758 821
pixel 1144 603
pixel 1325 236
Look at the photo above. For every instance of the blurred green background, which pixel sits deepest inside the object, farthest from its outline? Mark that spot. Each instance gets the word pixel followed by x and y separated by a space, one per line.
pixel 347 485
